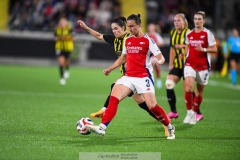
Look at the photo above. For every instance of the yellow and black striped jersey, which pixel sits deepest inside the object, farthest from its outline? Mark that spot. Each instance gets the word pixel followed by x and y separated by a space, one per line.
pixel 178 38
pixel 117 43
pixel 65 39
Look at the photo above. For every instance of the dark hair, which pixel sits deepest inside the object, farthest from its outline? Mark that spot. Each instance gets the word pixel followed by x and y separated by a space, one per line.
pixel 135 17
pixel 201 13
pixel 121 21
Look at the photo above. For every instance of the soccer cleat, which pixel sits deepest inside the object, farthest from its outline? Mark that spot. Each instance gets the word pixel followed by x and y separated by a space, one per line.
pixel 199 117
pixel 96 129
pixel 62 81
pixel 165 130
pixel 193 120
pixel 66 75
pixel 98 114
pixel 188 117
pixel 171 133
pixel 172 115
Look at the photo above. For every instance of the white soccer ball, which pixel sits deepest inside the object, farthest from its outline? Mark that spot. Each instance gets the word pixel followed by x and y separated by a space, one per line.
pixel 81 125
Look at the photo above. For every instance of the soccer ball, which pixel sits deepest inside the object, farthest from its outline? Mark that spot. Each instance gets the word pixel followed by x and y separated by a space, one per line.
pixel 81 125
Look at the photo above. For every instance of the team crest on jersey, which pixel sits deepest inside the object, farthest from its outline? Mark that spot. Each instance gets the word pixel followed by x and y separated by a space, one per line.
pixel 202 36
pixel 142 43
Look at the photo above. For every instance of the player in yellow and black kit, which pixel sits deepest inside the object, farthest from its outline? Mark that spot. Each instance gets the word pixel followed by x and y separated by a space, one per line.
pixel 118 26
pixel 176 62
pixel 63 47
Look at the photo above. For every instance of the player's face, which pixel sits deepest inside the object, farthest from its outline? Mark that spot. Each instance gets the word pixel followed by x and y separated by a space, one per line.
pixel 198 21
pixel 133 27
pixel 178 23
pixel 117 30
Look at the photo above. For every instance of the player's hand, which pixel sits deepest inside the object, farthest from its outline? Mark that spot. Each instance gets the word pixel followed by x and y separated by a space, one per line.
pixel 170 66
pixel 106 71
pixel 181 56
pixel 199 47
pixel 82 24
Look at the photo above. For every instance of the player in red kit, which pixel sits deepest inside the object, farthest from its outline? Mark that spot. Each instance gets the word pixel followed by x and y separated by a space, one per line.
pixel 138 77
pixel 200 41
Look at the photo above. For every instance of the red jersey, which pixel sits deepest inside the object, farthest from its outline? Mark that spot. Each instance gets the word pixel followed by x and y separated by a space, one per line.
pixel 139 50
pixel 199 60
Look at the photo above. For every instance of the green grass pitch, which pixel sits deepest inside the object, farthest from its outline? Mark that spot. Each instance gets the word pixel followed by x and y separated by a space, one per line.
pixel 38 118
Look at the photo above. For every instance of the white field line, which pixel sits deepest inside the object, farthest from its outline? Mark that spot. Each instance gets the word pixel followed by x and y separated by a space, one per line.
pixel 102 96
pixel 224 85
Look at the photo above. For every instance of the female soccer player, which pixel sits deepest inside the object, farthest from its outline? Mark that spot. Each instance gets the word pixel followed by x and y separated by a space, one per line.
pixel 63 47
pixel 233 42
pixel 118 26
pixel 176 63
pixel 200 41
pixel 138 77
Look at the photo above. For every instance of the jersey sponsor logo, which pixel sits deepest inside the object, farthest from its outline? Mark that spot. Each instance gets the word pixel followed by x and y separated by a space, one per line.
pixel 133 49
pixel 196 42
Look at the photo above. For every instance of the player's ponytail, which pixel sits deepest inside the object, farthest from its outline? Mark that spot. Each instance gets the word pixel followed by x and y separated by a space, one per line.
pixel 121 21
pixel 135 17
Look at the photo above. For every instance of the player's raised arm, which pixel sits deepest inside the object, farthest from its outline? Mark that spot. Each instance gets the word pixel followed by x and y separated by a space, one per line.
pixel 116 64
pixel 94 33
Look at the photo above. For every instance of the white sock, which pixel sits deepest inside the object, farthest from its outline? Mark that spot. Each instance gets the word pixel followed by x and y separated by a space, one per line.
pixel 103 126
pixel 169 126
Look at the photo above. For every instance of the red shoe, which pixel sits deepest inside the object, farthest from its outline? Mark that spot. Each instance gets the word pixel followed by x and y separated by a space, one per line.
pixel 199 117
pixel 172 115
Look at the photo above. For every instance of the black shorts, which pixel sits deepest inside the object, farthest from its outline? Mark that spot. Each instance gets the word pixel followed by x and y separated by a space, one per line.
pixel 177 72
pixel 235 57
pixel 64 54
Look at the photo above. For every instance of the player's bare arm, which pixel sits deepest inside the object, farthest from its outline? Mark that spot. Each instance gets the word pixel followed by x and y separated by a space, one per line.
pixel 94 33
pixel 171 58
pixel 210 49
pixel 160 59
pixel 116 64
pixel 181 56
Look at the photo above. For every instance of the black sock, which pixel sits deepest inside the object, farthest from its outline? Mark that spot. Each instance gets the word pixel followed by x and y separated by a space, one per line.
pixel 172 100
pixel 67 68
pixel 107 100
pixel 198 112
pixel 61 71
pixel 144 106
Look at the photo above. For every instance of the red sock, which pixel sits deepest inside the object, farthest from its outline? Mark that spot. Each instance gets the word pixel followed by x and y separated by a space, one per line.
pixel 189 100
pixel 160 114
pixel 197 103
pixel 111 110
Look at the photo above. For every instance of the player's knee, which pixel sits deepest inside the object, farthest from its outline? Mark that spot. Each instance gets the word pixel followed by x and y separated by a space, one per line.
pixel 170 84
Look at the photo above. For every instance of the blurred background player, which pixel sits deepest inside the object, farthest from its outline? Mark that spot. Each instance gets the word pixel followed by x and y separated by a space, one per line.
pixel 120 34
pixel 154 32
pixel 233 45
pixel 63 46
pixel 200 41
pixel 176 63
pixel 138 77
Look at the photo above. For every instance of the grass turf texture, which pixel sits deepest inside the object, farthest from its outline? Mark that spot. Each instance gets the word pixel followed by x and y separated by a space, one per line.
pixel 38 118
